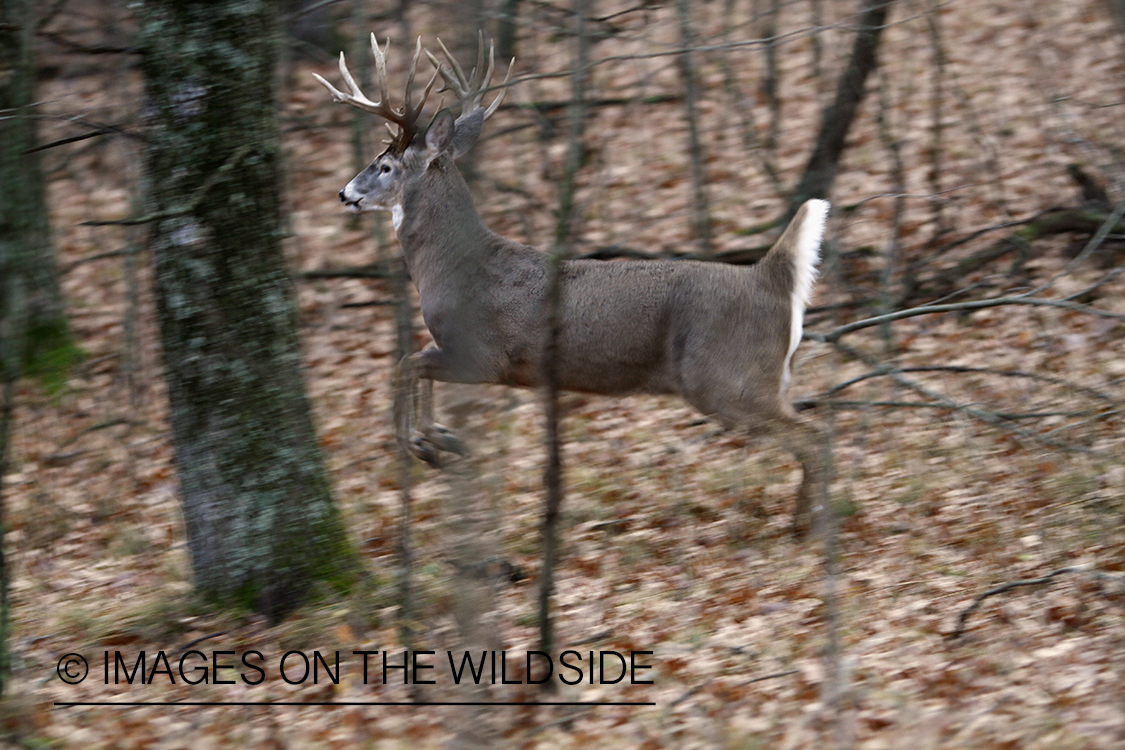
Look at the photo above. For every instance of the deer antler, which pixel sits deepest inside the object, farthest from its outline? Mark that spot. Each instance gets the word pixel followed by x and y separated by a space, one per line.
pixel 470 89
pixel 405 117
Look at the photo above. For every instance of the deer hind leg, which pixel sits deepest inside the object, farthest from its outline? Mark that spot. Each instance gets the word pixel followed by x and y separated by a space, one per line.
pixel 807 441
pixel 415 427
pixel 802 437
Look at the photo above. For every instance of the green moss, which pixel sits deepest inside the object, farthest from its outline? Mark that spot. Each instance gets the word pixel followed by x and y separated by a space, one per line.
pixel 51 355
pixel 300 578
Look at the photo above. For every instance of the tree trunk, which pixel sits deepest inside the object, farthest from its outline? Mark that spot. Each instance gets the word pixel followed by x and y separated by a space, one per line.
pixel 507 25
pixel 700 211
pixel 553 473
pixel 34 335
pixel 261 524
pixel 820 172
pixel 27 258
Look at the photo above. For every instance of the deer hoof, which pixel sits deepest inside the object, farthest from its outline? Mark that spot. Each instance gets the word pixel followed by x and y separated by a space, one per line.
pixel 424 450
pixel 429 445
pixel 446 440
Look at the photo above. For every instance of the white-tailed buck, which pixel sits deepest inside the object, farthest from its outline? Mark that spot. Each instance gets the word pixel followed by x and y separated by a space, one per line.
pixel 721 337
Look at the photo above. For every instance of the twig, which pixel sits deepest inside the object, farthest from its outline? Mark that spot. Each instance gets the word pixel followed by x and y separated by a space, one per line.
pixel 190 644
pixel 369 303
pixel 90 259
pixel 49 16
pixel 688 693
pixel 82 433
pixel 146 219
pixel 773 676
pixel 369 271
pixel 953 245
pixel 65 141
pixel 1100 282
pixel 985 145
pixel 963 620
pixel 73 46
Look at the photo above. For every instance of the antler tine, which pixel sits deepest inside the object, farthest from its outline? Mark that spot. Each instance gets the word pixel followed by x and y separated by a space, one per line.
pixel 380 68
pixel 470 89
pixel 356 98
pixel 503 87
pixel 337 95
pixel 461 83
pixel 426 92
pixel 479 67
pixel 408 110
pixel 410 76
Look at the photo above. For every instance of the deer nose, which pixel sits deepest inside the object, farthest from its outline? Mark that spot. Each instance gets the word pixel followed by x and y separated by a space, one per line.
pixel 342 198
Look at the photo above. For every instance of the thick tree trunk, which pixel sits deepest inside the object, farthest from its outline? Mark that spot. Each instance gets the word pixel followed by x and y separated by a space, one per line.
pixel 261 524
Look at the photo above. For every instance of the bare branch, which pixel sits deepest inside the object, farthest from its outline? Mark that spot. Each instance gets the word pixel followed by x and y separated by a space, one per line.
pixel 982 415
pixel 963 620
pixel 979 371
pixel 837 333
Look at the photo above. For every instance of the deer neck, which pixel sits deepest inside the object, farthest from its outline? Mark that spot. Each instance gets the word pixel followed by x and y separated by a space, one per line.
pixel 437 225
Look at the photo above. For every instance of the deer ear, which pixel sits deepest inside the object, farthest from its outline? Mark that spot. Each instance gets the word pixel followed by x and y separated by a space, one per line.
pixel 466 132
pixel 439 135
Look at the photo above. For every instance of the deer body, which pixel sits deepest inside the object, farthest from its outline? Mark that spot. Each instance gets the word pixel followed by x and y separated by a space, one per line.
pixel 719 336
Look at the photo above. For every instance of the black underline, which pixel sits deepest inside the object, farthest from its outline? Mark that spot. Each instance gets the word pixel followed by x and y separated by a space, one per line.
pixel 71 704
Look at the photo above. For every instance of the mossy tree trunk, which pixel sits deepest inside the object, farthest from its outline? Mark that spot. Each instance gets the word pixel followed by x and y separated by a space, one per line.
pixel 261 523
pixel 34 335
pixel 29 277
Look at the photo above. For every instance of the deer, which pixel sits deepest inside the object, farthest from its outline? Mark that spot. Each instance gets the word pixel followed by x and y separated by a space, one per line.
pixel 719 336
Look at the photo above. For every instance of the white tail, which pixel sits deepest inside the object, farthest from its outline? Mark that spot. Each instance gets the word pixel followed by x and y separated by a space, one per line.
pixel 719 336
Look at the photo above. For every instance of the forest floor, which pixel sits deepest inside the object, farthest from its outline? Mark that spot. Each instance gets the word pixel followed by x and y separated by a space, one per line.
pixel 674 536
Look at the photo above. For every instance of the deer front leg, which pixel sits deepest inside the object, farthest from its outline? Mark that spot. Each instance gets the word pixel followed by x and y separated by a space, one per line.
pixel 430 435
pixel 421 435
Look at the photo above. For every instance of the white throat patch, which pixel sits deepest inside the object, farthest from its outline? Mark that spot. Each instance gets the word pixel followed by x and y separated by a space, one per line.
pixel 396 215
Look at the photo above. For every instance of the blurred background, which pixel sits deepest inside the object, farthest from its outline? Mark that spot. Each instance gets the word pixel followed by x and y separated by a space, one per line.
pixel 197 348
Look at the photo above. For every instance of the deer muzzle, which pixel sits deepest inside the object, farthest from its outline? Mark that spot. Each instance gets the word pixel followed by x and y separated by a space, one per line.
pixel 353 205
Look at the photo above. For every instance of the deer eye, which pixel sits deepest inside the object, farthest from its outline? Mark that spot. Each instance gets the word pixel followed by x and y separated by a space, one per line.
pixel 385 169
